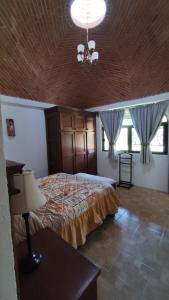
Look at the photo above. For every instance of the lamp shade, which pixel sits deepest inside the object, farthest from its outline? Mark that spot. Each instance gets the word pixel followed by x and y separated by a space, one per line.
pixel 30 196
pixel 91 45
pixel 95 55
pixel 80 57
pixel 80 48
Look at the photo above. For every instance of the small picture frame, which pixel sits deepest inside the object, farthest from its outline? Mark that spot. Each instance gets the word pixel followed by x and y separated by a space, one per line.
pixel 10 127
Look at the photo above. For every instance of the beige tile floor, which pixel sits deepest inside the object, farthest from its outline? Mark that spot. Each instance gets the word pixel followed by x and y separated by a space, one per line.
pixel 133 248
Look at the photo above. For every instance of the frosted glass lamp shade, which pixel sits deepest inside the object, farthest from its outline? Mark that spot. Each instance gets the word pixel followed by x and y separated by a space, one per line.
pixel 91 45
pixel 80 48
pixel 30 196
pixel 80 57
pixel 95 55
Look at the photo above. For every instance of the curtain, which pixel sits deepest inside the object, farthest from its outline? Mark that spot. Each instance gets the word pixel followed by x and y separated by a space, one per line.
pixel 112 121
pixel 168 148
pixel 167 114
pixel 146 120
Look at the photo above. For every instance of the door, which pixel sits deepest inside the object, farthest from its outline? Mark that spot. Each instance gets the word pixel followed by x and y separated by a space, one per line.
pixel 80 152
pixel 67 141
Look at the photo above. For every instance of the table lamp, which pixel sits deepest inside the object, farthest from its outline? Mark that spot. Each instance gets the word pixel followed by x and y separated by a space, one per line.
pixel 29 198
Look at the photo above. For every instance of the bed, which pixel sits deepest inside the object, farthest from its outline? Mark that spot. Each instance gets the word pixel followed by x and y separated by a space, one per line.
pixel 74 208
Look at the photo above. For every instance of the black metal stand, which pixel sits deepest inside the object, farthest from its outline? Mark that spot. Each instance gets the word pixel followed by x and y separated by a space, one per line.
pixel 125 159
pixel 33 259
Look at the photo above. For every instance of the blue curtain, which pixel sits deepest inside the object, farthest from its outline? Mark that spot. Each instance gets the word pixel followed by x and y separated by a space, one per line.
pixel 146 120
pixel 112 121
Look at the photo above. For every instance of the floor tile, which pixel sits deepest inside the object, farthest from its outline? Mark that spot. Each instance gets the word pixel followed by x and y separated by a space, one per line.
pixel 132 248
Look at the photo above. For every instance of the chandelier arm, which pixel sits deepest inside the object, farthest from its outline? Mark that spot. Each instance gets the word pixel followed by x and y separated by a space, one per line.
pixel 87 30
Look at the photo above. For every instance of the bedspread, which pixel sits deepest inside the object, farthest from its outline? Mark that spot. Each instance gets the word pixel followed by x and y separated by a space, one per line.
pixel 74 207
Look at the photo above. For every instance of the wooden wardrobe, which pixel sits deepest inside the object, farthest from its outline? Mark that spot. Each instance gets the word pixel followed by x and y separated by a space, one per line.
pixel 71 141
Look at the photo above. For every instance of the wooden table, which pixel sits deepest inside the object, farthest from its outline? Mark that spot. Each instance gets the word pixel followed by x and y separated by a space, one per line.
pixel 64 274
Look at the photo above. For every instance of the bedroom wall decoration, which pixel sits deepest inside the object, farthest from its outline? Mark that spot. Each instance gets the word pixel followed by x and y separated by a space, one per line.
pixel 10 127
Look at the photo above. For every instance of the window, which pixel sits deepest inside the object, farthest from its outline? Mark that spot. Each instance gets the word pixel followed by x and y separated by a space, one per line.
pixel 128 139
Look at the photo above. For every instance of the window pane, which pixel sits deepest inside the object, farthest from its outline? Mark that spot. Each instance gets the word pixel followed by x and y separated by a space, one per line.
pixel 122 141
pixel 164 119
pixel 127 121
pixel 135 141
pixel 157 144
pixel 106 142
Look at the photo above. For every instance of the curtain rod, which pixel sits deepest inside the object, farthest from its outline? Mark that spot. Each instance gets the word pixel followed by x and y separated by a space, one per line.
pixel 133 105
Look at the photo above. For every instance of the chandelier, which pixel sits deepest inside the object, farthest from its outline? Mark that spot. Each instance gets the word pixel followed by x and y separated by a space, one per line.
pixel 88 14
pixel 87 52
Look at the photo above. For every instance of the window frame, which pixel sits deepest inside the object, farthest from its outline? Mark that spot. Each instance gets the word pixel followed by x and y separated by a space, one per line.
pixel 129 127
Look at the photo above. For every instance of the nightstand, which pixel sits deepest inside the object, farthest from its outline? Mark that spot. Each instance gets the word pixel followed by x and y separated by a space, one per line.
pixel 64 273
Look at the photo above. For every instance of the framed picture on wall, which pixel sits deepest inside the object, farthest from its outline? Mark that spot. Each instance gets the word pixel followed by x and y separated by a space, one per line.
pixel 10 127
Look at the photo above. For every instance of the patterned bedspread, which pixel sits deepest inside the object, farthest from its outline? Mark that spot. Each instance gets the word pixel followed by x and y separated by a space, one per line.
pixel 68 197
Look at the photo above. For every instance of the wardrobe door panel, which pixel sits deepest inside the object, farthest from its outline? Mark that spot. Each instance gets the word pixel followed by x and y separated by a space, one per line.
pixel 80 152
pixel 80 143
pixel 92 163
pixel 91 153
pixel 91 141
pixel 91 123
pixel 68 164
pixel 80 164
pixel 67 141
pixel 79 122
pixel 66 121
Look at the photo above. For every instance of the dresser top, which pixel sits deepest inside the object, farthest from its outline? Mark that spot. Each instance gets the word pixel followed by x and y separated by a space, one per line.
pixel 64 273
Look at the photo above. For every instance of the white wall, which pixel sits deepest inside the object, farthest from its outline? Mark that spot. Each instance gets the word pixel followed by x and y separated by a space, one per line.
pixel 154 176
pixel 7 274
pixel 29 144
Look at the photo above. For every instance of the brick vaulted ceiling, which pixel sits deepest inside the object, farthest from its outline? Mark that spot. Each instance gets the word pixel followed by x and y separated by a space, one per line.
pixel 38 52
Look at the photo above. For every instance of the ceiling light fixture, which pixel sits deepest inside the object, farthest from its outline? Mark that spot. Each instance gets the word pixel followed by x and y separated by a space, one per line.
pixel 88 14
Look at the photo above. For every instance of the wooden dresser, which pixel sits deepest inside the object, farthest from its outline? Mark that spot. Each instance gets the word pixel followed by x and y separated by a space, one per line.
pixel 12 168
pixel 71 141
pixel 64 273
